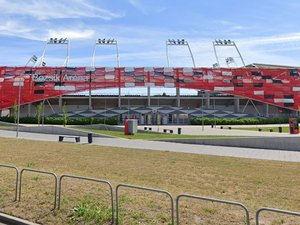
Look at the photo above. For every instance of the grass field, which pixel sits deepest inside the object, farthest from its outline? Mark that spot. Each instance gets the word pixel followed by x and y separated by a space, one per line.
pixel 256 183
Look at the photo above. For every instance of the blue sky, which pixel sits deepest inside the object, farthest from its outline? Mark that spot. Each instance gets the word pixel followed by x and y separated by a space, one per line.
pixel 266 31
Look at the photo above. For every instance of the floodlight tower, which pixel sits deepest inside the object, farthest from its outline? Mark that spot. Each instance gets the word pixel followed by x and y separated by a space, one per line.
pixel 56 41
pixel 229 60
pixel 107 42
pixel 178 42
pixel 226 43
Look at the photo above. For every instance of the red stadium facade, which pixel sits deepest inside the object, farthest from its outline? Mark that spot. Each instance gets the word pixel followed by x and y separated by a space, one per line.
pixel 279 87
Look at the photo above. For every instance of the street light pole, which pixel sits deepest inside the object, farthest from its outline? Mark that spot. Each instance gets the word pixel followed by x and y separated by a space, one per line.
pixel 19 108
pixel 202 112
pixel 20 83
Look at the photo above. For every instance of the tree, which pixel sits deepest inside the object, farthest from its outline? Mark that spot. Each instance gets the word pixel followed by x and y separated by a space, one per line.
pixel 65 119
pixel 39 110
pixel 15 112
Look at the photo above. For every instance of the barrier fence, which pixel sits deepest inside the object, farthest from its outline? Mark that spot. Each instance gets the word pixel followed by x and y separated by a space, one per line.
pixel 17 178
pixel 210 200
pixel 143 189
pixel 40 172
pixel 114 219
pixel 277 211
pixel 92 180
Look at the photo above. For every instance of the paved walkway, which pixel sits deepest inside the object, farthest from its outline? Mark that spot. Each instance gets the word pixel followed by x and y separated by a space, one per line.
pixel 289 156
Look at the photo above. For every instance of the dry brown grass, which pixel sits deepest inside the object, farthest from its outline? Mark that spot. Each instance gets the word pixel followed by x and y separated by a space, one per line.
pixel 256 183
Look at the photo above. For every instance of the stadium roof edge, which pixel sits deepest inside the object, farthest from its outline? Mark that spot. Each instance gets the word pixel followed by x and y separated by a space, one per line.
pixel 270 66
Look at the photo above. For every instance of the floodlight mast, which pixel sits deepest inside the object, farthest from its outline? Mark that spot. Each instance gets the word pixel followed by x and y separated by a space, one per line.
pixel 105 41
pixel 226 43
pixel 56 41
pixel 178 42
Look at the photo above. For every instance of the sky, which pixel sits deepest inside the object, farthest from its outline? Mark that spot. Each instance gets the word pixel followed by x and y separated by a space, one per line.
pixel 265 31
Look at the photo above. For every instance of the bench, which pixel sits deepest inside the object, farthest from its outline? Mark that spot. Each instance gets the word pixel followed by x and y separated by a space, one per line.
pixel 170 131
pixel 61 138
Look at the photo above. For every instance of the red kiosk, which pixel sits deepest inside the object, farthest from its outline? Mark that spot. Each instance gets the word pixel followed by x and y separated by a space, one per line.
pixel 294 126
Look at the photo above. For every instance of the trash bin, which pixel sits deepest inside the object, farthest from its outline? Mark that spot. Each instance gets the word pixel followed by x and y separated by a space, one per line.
pixel 294 125
pixel 90 138
pixel 179 130
pixel 280 129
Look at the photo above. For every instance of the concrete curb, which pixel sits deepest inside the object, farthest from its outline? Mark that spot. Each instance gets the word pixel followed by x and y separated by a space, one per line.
pixel 11 220
pixel 274 143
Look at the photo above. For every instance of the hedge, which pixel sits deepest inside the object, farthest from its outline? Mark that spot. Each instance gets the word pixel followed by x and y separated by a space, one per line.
pixel 60 120
pixel 242 121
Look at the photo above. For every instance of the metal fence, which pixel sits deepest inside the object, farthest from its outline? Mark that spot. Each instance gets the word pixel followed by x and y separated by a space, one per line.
pixel 210 200
pixel 115 214
pixel 40 172
pixel 17 178
pixel 143 189
pixel 92 180
pixel 277 211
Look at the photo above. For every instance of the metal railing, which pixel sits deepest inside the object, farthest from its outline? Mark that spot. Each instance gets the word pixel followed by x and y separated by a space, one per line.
pixel 87 179
pixel 211 200
pixel 144 189
pixel 278 211
pixel 40 172
pixel 17 178
pixel 115 219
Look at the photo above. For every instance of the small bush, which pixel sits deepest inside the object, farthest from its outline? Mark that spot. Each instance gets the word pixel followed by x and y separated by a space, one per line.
pixel 242 121
pixel 60 120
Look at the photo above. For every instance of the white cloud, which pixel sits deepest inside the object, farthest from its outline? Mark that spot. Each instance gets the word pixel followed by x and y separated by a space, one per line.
pixel 44 9
pixel 72 34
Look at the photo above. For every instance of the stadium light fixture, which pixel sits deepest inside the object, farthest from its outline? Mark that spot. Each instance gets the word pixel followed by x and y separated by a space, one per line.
pixel 33 60
pixel 229 60
pixel 216 65
pixel 226 43
pixel 56 41
pixel 178 42
pixel 105 41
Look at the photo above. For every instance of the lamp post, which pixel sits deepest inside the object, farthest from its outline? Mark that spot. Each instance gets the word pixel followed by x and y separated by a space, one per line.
pixel 107 42
pixel 226 43
pixel 20 83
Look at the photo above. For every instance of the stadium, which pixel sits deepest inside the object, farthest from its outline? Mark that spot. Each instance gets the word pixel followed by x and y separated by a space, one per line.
pixel 163 95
